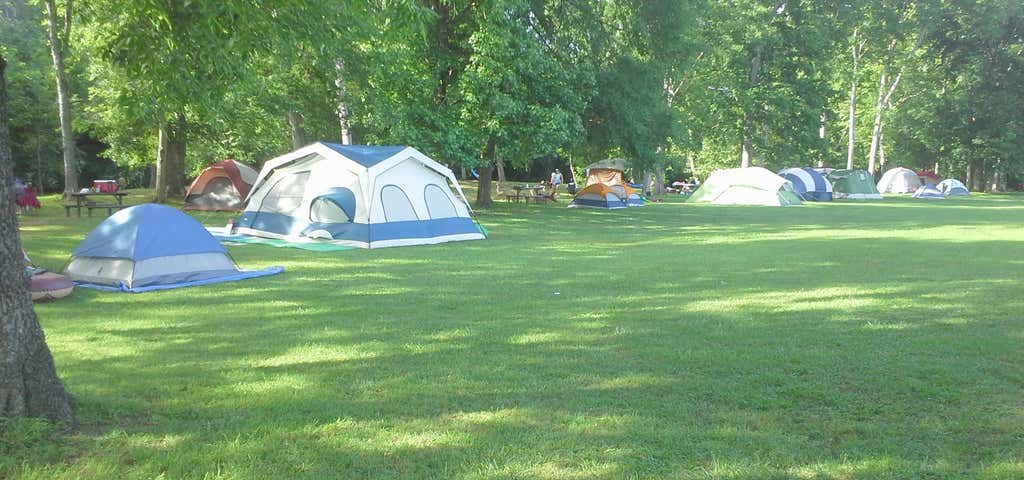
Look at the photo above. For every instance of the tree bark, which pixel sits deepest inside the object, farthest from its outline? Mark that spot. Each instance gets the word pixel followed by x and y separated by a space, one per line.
pixel 343 114
pixel 298 133
pixel 67 136
pixel 658 187
pixel 856 50
pixel 29 385
pixel 483 192
pixel 746 152
pixel 160 176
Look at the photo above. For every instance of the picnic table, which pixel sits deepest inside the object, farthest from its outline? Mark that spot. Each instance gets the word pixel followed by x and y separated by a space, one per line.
pixel 83 199
pixel 535 193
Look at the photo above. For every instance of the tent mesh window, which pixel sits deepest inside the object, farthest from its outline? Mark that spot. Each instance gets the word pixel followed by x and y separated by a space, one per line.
pixel 286 195
pixel 396 204
pixel 439 203
pixel 325 210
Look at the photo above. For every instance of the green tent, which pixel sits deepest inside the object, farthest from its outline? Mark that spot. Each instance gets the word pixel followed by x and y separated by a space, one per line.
pixel 746 186
pixel 854 184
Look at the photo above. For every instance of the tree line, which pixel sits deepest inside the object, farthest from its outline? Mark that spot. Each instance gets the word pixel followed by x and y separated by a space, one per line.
pixel 677 87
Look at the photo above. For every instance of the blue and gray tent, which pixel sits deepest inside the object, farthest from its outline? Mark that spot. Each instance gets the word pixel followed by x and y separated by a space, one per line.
pixel 153 247
pixel 929 191
pixel 808 183
pixel 951 187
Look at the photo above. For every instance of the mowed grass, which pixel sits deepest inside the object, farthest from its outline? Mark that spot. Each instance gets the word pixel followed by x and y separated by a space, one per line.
pixel 833 341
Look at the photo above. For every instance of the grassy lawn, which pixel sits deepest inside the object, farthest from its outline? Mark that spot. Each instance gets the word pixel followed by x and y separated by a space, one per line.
pixel 835 341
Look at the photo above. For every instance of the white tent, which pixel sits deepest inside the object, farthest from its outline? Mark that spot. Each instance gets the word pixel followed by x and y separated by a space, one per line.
pixel 746 186
pixel 363 196
pixel 952 187
pixel 899 180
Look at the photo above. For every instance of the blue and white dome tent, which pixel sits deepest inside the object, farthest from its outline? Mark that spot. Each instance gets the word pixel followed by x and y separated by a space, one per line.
pixel 951 187
pixel 809 183
pixel 929 191
pixel 360 196
pixel 153 247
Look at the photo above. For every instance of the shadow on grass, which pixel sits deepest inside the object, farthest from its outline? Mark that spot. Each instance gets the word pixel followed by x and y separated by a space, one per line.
pixel 685 342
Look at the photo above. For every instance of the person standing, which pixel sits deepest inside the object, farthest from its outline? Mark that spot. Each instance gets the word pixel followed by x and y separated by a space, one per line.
pixel 556 180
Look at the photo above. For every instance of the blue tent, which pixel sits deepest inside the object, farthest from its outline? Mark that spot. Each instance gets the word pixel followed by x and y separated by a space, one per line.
pixel 952 187
pixel 928 191
pixel 153 247
pixel 809 183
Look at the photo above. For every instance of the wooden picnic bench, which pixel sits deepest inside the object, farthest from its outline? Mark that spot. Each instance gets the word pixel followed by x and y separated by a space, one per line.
pixel 82 200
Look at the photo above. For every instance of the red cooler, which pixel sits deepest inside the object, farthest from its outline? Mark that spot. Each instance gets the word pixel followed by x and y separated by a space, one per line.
pixel 105 186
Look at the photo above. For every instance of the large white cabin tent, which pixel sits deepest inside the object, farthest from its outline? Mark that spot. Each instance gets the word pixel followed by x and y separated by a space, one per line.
pixel 362 196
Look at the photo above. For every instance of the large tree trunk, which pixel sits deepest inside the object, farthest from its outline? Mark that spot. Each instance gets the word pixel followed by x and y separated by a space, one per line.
pixel 658 187
pixel 343 114
pixel 170 166
pixel 483 192
pixel 298 133
pixel 692 163
pixel 29 385
pixel 57 51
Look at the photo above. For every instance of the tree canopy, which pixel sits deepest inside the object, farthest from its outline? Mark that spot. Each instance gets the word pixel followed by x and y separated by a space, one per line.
pixel 687 86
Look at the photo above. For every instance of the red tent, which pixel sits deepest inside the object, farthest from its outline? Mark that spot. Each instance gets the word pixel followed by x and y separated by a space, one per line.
pixel 222 186
pixel 928 176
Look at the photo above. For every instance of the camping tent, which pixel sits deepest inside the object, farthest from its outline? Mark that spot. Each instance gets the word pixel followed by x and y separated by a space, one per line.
pixel 928 191
pixel 361 196
pixel 853 184
pixel 597 195
pixel 746 186
pixel 221 186
pixel 809 184
pixel 152 247
pixel 607 173
pixel 899 180
pixel 952 187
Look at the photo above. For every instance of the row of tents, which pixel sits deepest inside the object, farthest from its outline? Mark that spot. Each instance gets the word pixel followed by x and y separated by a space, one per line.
pixel 793 186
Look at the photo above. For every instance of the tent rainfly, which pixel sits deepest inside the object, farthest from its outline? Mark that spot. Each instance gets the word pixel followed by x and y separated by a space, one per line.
pixel 929 192
pixel 607 173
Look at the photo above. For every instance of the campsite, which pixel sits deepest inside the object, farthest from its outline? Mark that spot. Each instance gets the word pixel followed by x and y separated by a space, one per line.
pixel 511 239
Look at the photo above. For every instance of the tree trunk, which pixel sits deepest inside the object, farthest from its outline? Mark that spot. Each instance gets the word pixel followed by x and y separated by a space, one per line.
pixel 500 164
pixel 298 134
pixel 692 163
pixel 67 136
pixel 40 178
pixel 658 187
pixel 343 114
pixel 29 385
pixel 177 142
pixel 746 152
pixel 483 192
pixel 876 130
pixel 856 52
pixel 162 164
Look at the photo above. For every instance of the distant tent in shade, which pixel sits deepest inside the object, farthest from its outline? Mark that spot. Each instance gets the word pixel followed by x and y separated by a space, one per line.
pixel 221 186
pixel 153 247
pixel 746 186
pixel 853 184
pixel 598 195
pixel 899 180
pixel 929 192
pixel 951 187
pixel 808 183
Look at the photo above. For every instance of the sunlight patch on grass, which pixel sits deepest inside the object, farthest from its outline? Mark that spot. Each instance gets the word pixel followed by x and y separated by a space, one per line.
pixel 318 353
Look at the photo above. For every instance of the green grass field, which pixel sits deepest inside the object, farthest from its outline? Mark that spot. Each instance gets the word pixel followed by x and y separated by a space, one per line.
pixel 833 341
